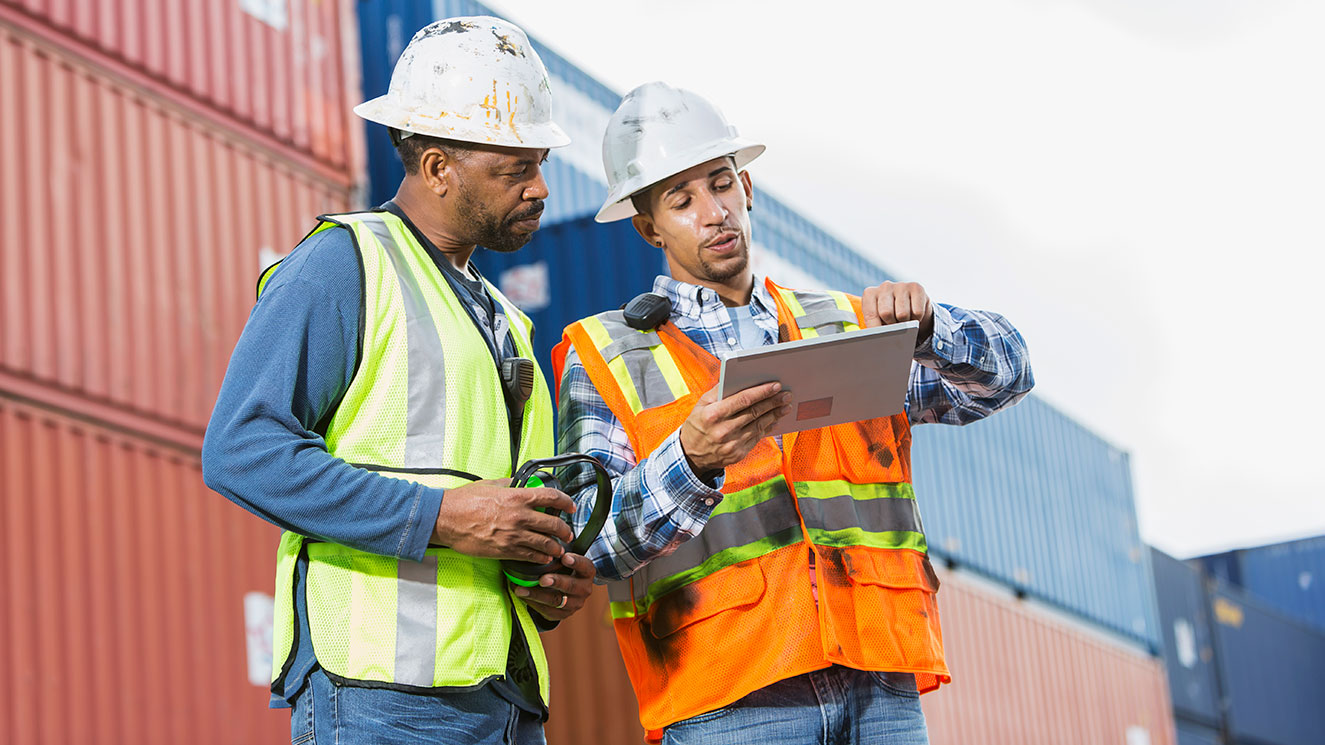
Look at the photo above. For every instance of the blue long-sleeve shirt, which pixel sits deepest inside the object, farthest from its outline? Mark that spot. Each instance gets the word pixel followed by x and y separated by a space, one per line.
pixel 264 449
pixel 972 364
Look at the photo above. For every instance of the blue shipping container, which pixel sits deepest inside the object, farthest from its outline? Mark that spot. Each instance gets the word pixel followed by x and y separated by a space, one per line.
pixel 1271 669
pixel 1184 623
pixel 1289 576
pixel 1038 502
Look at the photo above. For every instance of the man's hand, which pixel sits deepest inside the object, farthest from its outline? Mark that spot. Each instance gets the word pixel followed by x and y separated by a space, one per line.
pixel 894 302
pixel 560 595
pixel 720 433
pixel 494 521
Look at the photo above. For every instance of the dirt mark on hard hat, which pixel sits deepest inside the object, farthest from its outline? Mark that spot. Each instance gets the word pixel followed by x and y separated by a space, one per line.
pixel 504 45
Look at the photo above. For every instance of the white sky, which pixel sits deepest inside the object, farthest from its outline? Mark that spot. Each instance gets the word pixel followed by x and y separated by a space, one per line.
pixel 1139 185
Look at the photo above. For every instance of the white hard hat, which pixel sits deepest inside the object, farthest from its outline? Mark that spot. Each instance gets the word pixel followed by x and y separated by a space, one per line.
pixel 659 131
pixel 473 79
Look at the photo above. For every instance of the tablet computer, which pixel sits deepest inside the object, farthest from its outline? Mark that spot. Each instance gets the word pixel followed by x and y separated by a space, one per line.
pixel 833 379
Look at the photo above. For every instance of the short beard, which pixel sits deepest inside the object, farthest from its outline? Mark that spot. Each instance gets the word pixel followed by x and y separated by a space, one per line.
pixel 491 231
pixel 727 271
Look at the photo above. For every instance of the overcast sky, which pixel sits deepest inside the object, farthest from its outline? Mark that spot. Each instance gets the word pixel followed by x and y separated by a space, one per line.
pixel 1138 184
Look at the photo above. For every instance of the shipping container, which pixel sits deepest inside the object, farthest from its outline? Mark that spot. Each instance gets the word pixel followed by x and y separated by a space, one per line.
pixel 807 255
pixel 1289 576
pixel 136 604
pixel 1271 671
pixel 286 70
pixel 1188 641
pixel 130 258
pixel 1191 733
pixel 1023 674
pixel 1038 502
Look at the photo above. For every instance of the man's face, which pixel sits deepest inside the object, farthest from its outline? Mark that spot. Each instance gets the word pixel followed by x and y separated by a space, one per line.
pixel 500 193
pixel 701 217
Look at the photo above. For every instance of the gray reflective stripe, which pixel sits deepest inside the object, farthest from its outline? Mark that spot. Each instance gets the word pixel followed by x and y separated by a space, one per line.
pixel 825 317
pixel 728 530
pixel 875 515
pixel 629 341
pixel 619 592
pixel 416 622
pixel 425 420
pixel 643 369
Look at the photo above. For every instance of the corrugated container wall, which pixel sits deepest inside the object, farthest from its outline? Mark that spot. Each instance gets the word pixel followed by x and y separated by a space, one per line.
pixel 1190 733
pixel 1184 622
pixel 282 69
pixel 1023 676
pixel 123 599
pixel 1036 501
pixel 132 248
pixel 1289 576
pixel 1271 671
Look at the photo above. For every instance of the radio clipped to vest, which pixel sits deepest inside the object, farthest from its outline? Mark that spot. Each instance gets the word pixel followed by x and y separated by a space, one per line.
pixel 647 311
pixel 538 472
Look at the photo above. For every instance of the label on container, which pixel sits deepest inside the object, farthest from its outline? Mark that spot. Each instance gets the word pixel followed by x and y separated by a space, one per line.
pixel 258 611
pixel 270 12
pixel 527 286
pixel 1137 735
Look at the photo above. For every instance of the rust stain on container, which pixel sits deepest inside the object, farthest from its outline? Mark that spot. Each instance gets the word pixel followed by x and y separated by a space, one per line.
pixel 285 73
pixel 122 594
pixel 128 266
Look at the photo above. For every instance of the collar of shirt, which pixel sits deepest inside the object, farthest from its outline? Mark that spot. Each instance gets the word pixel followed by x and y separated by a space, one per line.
pixel 696 308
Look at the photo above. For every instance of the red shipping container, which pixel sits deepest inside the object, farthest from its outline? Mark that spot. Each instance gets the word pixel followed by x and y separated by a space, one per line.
pixel 122 601
pixel 1022 675
pixel 135 236
pixel 289 70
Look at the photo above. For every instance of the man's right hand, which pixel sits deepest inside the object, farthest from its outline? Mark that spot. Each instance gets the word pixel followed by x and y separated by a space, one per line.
pixel 719 433
pixel 490 519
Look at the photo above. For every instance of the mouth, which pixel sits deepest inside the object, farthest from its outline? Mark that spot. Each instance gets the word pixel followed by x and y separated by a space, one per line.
pixel 528 222
pixel 724 243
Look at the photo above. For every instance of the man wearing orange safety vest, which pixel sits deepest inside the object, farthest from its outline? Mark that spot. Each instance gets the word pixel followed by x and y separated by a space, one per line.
pixel 763 589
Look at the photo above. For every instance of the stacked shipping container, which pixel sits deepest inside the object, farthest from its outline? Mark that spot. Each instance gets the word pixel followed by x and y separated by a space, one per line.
pixel 1289 576
pixel 1235 666
pixel 151 156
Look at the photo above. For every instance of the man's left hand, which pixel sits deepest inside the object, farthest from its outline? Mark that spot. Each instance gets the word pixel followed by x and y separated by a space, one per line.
pixel 560 595
pixel 895 302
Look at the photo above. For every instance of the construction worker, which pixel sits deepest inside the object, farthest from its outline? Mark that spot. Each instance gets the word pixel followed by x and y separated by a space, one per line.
pixel 376 406
pixel 763 589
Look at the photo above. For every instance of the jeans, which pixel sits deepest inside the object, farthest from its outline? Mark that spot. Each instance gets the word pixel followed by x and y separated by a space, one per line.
pixel 327 714
pixel 836 706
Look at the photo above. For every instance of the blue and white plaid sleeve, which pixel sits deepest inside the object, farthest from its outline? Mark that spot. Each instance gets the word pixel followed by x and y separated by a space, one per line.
pixel 974 364
pixel 657 503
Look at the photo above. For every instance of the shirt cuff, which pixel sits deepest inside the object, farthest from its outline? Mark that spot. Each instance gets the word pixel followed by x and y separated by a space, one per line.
pixel 944 343
pixel 679 479
pixel 422 521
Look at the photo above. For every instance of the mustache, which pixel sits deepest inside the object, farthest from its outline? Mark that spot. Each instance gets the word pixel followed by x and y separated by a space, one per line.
pixel 535 209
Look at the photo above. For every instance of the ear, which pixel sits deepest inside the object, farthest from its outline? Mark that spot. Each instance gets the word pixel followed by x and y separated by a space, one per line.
pixel 647 230
pixel 749 191
pixel 436 169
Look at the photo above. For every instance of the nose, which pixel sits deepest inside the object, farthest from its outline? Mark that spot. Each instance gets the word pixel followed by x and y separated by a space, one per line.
pixel 538 189
pixel 710 207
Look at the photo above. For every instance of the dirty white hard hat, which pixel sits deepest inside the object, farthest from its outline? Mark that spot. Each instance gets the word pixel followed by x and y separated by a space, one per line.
pixel 659 131
pixel 473 79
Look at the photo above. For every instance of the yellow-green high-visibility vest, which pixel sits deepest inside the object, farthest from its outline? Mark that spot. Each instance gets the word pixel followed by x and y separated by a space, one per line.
pixel 425 405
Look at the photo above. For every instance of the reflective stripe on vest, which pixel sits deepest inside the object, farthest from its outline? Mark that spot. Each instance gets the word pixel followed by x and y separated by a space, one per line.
pixel 421 410
pixel 730 611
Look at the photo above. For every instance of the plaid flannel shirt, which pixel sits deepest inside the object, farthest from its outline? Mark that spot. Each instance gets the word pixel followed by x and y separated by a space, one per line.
pixel 973 364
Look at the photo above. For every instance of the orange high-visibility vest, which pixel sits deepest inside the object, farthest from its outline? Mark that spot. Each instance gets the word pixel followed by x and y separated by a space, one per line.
pixel 731 611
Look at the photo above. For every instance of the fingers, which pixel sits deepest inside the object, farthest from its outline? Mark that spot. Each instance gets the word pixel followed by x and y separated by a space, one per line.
pixel 544 498
pixel 894 302
pixel 728 408
pixel 869 306
pixel 558 595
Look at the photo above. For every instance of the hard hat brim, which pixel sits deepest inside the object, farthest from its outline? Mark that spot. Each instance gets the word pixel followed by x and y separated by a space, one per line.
pixel 381 110
pixel 619 206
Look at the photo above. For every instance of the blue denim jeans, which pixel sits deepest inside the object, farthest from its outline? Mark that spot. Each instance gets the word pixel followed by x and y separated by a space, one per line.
pixel 328 714
pixel 836 706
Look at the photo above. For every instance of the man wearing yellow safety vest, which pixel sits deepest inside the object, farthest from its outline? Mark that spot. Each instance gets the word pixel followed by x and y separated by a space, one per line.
pixel 764 589
pixel 378 402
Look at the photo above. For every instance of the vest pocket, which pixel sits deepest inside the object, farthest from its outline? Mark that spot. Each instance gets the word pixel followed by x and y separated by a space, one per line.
pixel 733 587
pixel 899 569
